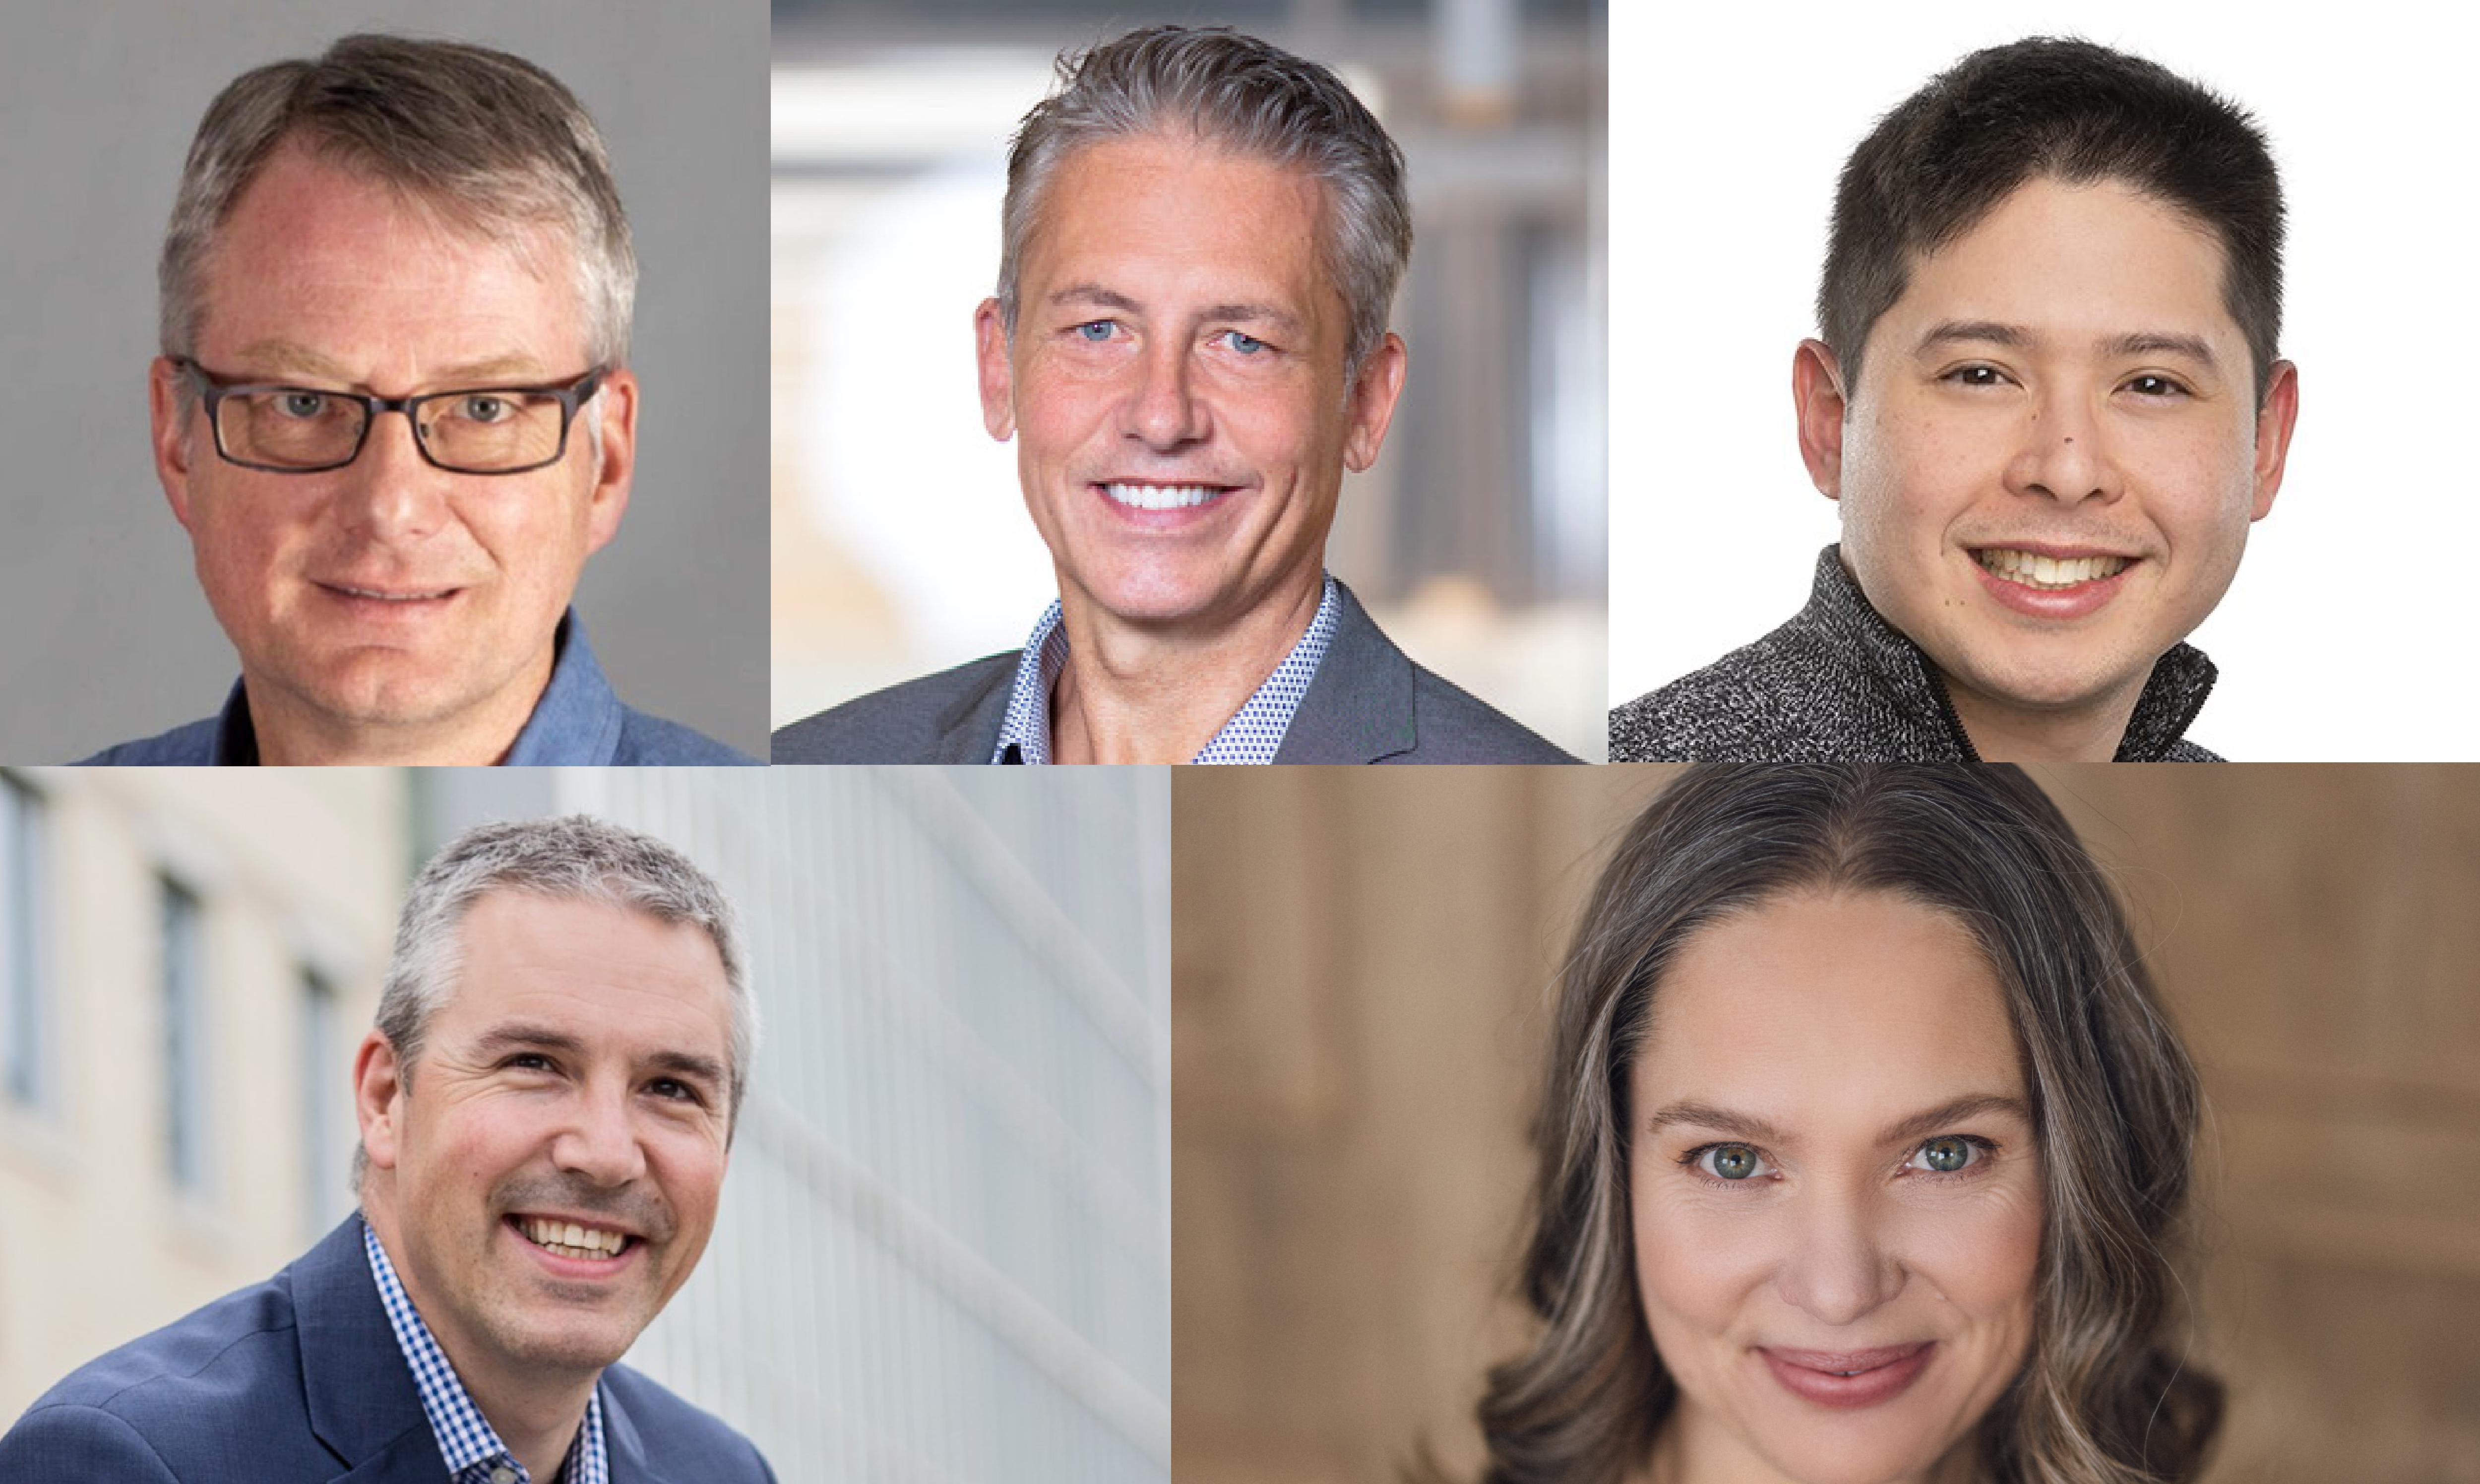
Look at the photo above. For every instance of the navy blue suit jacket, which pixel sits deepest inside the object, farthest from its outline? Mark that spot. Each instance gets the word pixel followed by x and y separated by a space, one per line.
pixel 300 1379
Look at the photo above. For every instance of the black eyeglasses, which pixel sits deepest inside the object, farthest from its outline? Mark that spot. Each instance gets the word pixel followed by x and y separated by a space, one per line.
pixel 305 429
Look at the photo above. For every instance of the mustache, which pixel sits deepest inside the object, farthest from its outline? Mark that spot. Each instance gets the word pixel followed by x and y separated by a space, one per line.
pixel 634 1207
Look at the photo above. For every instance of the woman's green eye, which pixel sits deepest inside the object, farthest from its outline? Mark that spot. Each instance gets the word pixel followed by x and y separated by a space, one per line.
pixel 1946 1155
pixel 1735 1162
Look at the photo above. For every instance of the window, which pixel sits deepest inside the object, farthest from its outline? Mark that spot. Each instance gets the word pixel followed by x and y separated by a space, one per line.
pixel 185 1029
pixel 22 882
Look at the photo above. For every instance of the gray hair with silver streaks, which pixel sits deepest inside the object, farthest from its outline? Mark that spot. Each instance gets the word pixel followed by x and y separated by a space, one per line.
pixel 490 143
pixel 1247 96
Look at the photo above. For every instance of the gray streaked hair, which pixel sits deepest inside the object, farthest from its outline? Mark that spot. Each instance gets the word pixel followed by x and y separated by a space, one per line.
pixel 575 858
pixel 2106 1394
pixel 1250 98
pixel 490 143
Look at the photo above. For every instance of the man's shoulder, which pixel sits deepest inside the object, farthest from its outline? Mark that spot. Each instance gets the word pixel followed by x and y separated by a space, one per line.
pixel 1781 699
pixel 1452 725
pixel 680 1440
pixel 192 745
pixel 651 742
pixel 214 1396
pixel 912 722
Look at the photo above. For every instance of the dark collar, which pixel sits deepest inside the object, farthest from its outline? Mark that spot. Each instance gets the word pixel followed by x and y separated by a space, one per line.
pixel 577 720
pixel 1840 617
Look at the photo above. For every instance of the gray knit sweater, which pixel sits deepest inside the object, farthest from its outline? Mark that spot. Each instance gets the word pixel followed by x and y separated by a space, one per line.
pixel 1839 685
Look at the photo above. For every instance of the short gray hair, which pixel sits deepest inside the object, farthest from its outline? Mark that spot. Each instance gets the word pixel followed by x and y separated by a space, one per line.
pixel 491 143
pixel 1251 99
pixel 575 858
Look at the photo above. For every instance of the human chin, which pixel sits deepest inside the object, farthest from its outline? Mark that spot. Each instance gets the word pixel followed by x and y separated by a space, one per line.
pixel 547 1310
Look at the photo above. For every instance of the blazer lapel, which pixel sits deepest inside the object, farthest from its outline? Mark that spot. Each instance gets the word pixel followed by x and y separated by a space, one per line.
pixel 1358 707
pixel 627 1451
pixel 969 730
pixel 362 1400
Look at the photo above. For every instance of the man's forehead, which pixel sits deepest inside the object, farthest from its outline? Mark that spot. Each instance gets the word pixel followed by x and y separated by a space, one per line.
pixel 614 960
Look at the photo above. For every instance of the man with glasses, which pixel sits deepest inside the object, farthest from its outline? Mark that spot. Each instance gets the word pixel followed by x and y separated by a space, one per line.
pixel 395 415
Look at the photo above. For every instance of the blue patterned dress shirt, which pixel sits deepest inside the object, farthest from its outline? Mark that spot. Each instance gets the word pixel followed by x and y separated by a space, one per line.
pixel 1252 736
pixel 475 1453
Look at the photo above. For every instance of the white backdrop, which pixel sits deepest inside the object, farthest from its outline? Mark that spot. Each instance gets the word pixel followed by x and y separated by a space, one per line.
pixel 1728 125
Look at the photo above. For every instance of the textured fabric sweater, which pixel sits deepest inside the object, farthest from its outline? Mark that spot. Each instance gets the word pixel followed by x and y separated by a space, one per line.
pixel 1839 685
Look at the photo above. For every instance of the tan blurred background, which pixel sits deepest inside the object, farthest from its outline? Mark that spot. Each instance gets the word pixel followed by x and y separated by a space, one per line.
pixel 1360 964
pixel 902 545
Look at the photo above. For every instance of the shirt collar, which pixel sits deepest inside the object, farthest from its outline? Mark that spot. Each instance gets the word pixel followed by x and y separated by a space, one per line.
pixel 474 1451
pixel 575 720
pixel 1840 614
pixel 1252 734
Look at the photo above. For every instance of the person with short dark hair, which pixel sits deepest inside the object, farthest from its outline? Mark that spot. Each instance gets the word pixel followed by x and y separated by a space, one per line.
pixel 2049 402
pixel 1201 239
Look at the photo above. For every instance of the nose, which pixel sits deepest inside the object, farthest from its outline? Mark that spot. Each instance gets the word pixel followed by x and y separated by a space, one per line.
pixel 390 493
pixel 600 1143
pixel 2064 451
pixel 1839 1268
pixel 1163 410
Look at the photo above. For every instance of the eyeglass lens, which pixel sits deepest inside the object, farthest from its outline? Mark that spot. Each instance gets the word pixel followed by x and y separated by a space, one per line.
pixel 480 431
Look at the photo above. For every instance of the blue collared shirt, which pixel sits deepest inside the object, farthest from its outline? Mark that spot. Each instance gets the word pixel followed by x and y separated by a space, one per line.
pixel 474 1451
pixel 578 721
pixel 1252 734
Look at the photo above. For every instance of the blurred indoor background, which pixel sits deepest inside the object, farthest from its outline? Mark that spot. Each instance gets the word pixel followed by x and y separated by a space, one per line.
pixel 944 1249
pixel 900 540
pixel 1361 969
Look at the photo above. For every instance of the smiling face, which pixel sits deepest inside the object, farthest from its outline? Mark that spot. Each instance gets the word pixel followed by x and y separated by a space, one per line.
pixel 1175 383
pixel 388 593
pixel 576 1075
pixel 2049 468
pixel 1836 1197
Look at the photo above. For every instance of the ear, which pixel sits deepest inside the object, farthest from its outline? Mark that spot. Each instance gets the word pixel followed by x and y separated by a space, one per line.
pixel 169 426
pixel 1374 394
pixel 2273 424
pixel 998 373
pixel 616 407
pixel 379 1099
pixel 1820 404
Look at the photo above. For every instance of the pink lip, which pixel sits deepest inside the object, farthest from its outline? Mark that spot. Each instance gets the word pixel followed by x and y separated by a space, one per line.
pixel 2080 601
pixel 590 1270
pixel 1875 1375
pixel 1174 520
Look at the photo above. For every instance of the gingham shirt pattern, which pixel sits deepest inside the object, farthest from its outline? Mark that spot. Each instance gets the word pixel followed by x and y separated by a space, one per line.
pixel 1252 736
pixel 475 1453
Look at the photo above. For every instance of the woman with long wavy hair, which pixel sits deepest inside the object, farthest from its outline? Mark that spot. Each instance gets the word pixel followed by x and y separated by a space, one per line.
pixel 1862 1144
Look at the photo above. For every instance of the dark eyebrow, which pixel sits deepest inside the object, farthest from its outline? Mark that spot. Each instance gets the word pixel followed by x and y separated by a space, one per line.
pixel 1756 1129
pixel 503 1040
pixel 2162 343
pixel 1095 294
pixel 688 1064
pixel 1979 331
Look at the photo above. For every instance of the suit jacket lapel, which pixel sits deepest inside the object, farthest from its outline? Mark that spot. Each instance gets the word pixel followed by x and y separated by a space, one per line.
pixel 1358 707
pixel 627 1449
pixel 362 1400
pixel 969 730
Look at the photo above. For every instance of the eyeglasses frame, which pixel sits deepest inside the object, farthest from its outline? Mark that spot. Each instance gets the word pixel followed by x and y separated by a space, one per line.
pixel 213 389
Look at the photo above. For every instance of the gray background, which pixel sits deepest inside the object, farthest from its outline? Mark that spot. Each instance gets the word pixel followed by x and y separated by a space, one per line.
pixel 104 634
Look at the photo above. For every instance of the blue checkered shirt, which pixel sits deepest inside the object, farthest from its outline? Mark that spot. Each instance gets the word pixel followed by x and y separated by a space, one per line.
pixel 475 1453
pixel 1252 736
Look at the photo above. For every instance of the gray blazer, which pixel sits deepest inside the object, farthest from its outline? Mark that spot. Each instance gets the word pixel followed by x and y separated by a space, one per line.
pixel 1368 703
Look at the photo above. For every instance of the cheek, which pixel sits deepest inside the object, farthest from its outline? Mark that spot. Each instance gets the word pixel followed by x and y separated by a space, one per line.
pixel 1696 1268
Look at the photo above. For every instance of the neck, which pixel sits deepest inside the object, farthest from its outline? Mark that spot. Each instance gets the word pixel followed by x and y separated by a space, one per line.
pixel 293 732
pixel 1139 693
pixel 535 1408
pixel 1693 1448
pixel 2003 732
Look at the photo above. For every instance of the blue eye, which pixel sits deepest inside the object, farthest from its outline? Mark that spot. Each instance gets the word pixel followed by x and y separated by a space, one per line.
pixel 1949 1154
pixel 1095 331
pixel 1727 1162
pixel 1245 344
pixel 302 405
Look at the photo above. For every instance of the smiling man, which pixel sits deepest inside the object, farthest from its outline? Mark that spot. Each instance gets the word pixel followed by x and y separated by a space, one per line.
pixel 2049 404
pixel 394 412
pixel 1201 239
pixel 545 1106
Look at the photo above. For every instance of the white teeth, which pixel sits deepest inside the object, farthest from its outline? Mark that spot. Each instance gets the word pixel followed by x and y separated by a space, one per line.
pixel 571 1240
pixel 2033 570
pixel 392 597
pixel 1160 497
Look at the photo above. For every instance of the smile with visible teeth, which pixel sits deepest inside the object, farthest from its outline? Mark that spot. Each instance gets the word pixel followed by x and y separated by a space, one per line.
pixel 571 1240
pixel 390 597
pixel 2034 571
pixel 1162 497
